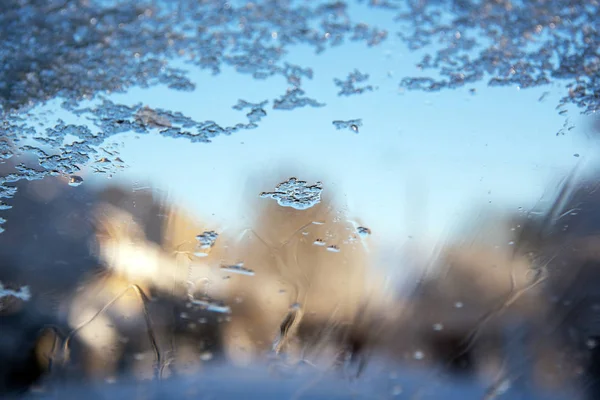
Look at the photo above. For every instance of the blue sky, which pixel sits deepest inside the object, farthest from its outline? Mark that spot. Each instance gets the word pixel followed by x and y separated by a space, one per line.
pixel 420 164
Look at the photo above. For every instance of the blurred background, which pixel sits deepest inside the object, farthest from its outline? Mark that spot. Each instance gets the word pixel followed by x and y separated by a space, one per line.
pixel 438 240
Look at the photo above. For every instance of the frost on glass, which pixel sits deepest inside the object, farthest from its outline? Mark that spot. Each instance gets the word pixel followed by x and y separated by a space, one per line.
pixel 295 98
pixel 507 43
pixel 205 242
pixel 355 83
pixel 207 239
pixel 82 50
pixel 257 110
pixel 296 194
pixel 351 124
pixel 73 56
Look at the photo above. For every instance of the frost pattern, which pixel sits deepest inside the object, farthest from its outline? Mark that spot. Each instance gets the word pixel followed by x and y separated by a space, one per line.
pixel 351 124
pixel 257 110
pixel 348 86
pixel 80 48
pixel 79 51
pixel 296 194
pixel 207 239
pixel 519 43
pixel 293 99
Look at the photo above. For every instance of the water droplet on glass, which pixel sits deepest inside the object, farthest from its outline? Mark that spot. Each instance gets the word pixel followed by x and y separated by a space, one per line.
pixel 418 355
pixel 363 232
pixel 319 242
pixel 237 269
pixel 333 249
pixel 210 305
pixel 438 327
pixel 458 304
pixel 206 241
pixel 206 356
pixel 75 180
pixel 22 293
pixel 352 124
